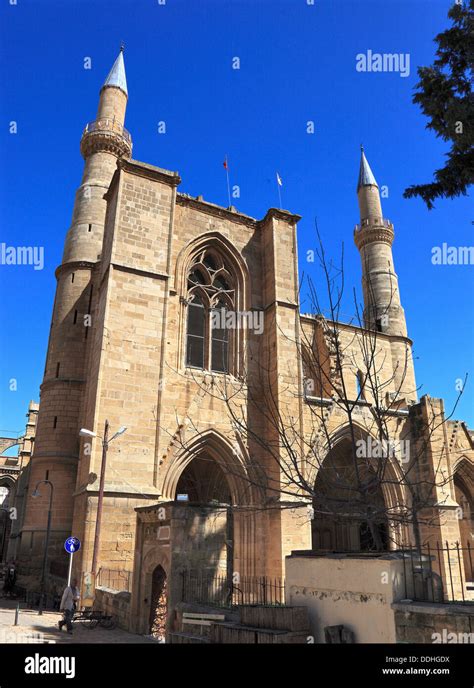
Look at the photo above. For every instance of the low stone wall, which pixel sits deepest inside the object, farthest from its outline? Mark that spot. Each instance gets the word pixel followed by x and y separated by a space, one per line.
pixel 354 591
pixel 115 603
pixel 425 622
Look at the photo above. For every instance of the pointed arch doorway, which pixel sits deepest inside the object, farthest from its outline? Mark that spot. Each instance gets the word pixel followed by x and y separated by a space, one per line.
pixel 159 604
pixel 207 490
pixel 340 512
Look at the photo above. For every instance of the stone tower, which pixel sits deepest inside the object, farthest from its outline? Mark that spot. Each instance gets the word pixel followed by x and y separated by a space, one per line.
pixel 57 443
pixel 383 310
pixel 374 237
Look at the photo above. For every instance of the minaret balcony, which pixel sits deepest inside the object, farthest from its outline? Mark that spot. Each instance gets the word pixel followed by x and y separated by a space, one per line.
pixel 373 222
pixel 373 229
pixel 106 135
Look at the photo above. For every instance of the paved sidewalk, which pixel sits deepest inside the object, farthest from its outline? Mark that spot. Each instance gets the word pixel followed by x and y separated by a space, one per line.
pixel 33 628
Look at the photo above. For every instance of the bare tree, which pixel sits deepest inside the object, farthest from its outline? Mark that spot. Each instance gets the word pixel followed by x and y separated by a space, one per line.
pixel 381 478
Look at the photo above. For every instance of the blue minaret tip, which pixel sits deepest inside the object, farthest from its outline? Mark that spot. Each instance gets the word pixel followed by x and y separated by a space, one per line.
pixel 116 76
pixel 366 176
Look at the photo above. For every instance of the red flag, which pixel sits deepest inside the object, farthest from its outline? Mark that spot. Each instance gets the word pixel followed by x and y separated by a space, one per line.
pixel 225 163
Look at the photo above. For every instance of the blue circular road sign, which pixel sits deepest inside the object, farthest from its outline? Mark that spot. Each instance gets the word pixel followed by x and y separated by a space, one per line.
pixel 72 545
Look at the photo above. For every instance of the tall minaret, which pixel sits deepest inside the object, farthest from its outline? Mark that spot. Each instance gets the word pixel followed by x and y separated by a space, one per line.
pixel 383 311
pixel 57 443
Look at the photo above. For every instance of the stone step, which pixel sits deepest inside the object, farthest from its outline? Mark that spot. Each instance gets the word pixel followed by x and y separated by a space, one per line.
pixel 187 639
pixel 196 629
pixel 278 618
pixel 235 633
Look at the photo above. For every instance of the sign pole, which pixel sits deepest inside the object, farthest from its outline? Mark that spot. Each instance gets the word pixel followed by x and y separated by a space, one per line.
pixel 71 545
pixel 70 568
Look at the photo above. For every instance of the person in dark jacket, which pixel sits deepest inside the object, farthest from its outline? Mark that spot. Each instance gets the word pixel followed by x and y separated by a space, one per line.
pixel 10 579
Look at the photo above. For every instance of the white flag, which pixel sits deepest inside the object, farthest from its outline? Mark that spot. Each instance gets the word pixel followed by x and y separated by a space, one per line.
pixel 279 182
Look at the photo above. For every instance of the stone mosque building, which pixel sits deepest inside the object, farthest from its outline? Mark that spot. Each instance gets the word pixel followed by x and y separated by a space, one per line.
pixel 133 343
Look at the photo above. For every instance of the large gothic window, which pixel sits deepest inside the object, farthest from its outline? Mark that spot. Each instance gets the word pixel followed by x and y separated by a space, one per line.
pixel 196 331
pixel 210 298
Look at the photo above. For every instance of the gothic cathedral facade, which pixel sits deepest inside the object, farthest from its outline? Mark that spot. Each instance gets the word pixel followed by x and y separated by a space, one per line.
pixel 145 275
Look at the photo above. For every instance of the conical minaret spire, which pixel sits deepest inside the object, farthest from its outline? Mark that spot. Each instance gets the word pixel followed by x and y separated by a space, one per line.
pixel 116 77
pixel 368 191
pixel 366 176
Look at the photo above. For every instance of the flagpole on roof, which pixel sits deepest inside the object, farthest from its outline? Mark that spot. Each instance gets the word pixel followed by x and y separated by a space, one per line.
pixel 226 166
pixel 279 185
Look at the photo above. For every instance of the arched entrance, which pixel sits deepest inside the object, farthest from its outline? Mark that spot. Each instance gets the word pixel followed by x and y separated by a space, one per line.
pixel 6 492
pixel 464 492
pixel 206 491
pixel 349 507
pixel 199 532
pixel 159 604
pixel 204 482
pixel 202 527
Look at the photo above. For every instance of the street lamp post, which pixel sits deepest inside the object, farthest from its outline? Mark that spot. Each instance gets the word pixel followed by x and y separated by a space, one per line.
pixel 100 501
pixel 6 511
pixel 105 445
pixel 48 531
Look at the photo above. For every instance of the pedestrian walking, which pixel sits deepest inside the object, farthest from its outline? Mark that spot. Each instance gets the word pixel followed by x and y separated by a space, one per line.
pixel 9 579
pixel 68 605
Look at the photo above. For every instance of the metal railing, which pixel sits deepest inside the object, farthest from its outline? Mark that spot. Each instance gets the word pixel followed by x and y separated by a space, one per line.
pixel 220 591
pixel 378 221
pixel 31 598
pixel 439 574
pixel 108 125
pixel 114 579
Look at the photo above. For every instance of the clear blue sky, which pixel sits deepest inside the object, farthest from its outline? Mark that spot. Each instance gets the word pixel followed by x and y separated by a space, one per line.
pixel 297 64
